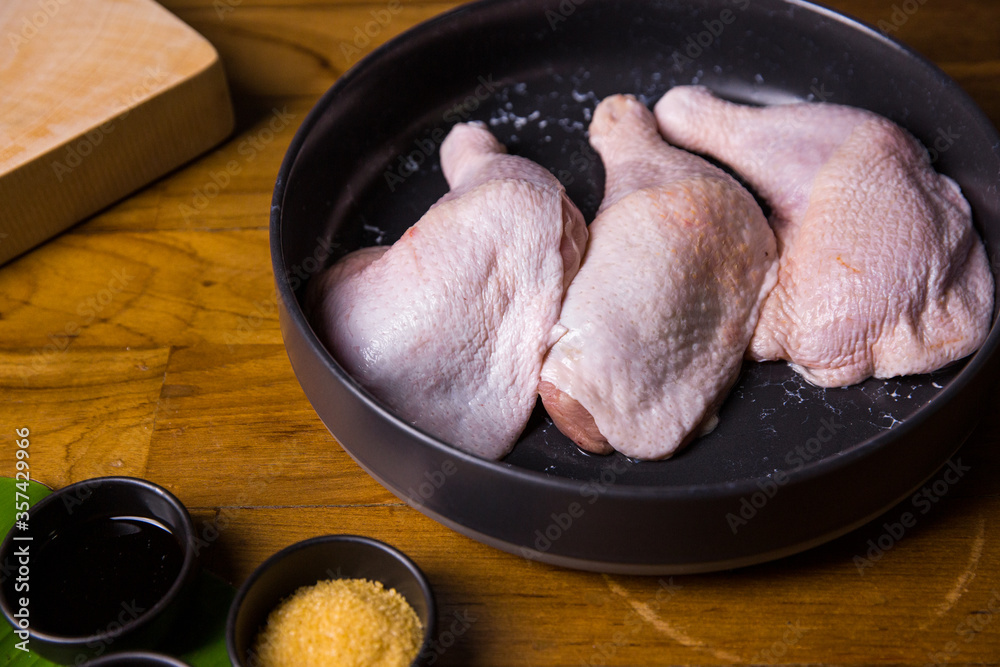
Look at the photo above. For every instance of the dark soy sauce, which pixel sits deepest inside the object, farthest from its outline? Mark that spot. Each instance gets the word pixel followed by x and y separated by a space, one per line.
pixel 102 573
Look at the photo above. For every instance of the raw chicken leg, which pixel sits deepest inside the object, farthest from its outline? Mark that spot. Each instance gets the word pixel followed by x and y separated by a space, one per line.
pixel 880 270
pixel 658 318
pixel 449 325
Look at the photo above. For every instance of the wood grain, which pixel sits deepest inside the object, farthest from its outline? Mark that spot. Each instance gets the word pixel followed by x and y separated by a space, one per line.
pixel 91 412
pixel 145 341
pixel 92 288
pixel 267 425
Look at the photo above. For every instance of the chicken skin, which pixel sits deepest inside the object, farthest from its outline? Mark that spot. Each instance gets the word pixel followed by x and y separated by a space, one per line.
pixel 658 318
pixel 449 325
pixel 881 272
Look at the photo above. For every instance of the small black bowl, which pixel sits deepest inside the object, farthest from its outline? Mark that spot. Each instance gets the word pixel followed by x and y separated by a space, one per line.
pixel 108 563
pixel 137 659
pixel 326 557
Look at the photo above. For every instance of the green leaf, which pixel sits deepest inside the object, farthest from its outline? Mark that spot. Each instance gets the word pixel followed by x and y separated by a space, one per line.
pixel 8 496
pixel 200 638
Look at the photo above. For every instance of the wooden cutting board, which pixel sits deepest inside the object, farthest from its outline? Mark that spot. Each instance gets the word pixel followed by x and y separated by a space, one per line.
pixel 97 99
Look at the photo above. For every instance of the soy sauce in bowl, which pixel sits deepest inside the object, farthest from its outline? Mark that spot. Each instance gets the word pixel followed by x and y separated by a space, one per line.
pixel 105 570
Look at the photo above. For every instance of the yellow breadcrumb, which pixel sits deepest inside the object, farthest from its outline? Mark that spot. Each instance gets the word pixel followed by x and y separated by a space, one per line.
pixel 342 622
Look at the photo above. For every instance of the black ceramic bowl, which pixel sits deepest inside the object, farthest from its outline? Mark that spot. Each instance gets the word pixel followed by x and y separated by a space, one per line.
pixel 110 563
pixel 317 559
pixel 790 465
pixel 137 659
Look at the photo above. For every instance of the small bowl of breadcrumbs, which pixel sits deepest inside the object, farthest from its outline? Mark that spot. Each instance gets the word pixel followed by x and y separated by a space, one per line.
pixel 332 600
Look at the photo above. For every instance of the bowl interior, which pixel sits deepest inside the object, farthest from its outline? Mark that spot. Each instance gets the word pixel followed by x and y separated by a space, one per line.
pixel 366 167
pixel 327 557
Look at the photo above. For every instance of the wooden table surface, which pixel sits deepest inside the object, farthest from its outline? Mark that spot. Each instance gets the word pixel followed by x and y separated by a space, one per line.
pixel 145 342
